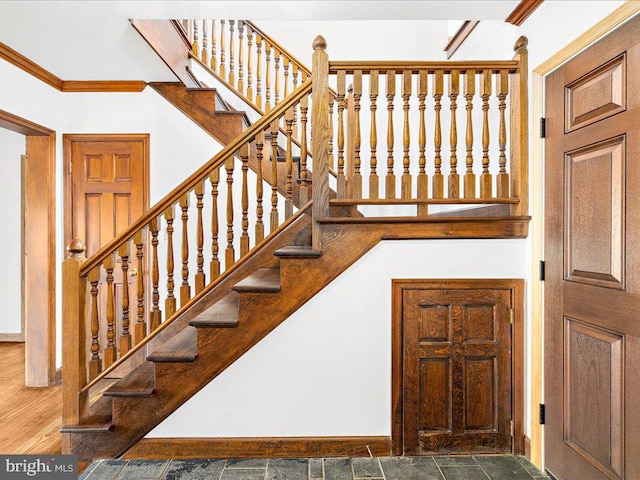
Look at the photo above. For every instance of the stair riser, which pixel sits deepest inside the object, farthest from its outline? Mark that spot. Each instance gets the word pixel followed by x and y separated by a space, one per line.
pixel 298 233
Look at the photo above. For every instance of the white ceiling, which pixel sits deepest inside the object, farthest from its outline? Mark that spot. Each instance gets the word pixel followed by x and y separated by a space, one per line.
pixel 94 40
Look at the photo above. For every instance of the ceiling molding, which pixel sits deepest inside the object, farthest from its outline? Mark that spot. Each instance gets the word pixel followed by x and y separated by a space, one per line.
pixel 461 35
pixel 35 70
pixel 522 11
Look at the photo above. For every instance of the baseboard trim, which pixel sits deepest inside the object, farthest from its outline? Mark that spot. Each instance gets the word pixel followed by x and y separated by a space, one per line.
pixel 527 447
pixel 12 337
pixel 259 447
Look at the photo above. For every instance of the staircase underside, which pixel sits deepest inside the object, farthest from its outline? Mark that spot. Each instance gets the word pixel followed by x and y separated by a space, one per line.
pixel 249 302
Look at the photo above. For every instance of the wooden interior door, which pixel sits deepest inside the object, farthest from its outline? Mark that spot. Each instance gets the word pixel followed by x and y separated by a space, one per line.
pixel 457 368
pixel 108 191
pixel 592 288
pixel 109 185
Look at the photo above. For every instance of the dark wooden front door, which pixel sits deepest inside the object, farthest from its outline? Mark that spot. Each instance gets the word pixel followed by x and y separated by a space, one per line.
pixel 592 291
pixel 457 368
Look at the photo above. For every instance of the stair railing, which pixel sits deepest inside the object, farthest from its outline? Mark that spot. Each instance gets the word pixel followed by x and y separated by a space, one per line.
pixel 178 249
pixel 246 59
pixel 452 133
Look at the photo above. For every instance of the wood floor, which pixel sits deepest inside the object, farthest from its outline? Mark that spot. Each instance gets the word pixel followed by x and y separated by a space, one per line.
pixel 30 418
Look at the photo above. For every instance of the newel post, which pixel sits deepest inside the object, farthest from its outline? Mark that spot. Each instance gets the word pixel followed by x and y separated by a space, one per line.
pixel 320 131
pixel 520 129
pixel 75 406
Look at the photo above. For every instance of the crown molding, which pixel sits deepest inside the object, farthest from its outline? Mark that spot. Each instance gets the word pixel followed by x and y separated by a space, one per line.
pixel 522 11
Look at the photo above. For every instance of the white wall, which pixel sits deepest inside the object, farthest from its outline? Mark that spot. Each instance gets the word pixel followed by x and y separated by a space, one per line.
pixel 327 369
pixel 12 146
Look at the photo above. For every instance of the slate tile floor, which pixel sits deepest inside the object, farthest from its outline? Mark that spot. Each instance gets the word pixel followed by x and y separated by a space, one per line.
pixel 479 467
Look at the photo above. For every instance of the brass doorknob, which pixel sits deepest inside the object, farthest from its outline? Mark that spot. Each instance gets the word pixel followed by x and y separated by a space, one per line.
pixel 134 272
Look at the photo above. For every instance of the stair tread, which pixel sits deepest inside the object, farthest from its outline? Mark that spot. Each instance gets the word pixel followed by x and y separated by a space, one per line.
pixel 183 347
pixel 223 314
pixel 139 383
pixel 263 280
pixel 95 423
pixel 298 251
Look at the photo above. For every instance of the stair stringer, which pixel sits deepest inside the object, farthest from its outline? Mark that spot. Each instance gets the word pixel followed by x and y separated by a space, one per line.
pixel 259 314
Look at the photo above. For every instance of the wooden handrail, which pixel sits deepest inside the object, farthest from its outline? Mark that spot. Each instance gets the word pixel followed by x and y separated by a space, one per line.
pixel 283 50
pixel 193 300
pixel 196 177
pixel 416 66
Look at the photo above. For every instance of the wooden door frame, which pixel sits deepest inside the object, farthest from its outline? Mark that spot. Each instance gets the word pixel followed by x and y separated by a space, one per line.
pixel 67 141
pixel 38 249
pixel 589 37
pixel 516 286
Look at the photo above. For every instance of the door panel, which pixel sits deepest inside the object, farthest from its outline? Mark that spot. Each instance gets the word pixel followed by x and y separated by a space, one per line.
pixel 592 281
pixel 457 371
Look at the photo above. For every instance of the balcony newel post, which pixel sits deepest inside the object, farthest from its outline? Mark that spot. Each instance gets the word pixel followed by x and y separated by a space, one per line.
pixel 320 131
pixel 75 405
pixel 519 167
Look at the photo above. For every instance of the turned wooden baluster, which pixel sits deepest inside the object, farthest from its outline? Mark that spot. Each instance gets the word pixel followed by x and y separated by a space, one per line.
pixel 125 337
pixel 222 69
pixel 200 278
pixel 274 176
pixel 185 288
pixel 357 94
pixel 374 180
pixel 331 161
pixel 276 87
pixel 259 187
pixel 213 61
pixel 195 48
pixel 503 176
pixel 170 301
pixel 485 177
pixel 110 352
pixel 214 266
pixel 249 63
pixel 423 178
pixel 156 313
pixel 340 98
pixel 244 238
pixel 406 135
pixel 141 324
pixel 267 79
pixel 205 45
pixel 294 78
pixel 232 66
pixel 229 254
pixel 258 71
pixel 454 178
pixel 240 56
pixel 288 186
pixel 95 364
pixel 390 181
pixel 469 176
pixel 285 69
pixel 438 179
pixel 304 173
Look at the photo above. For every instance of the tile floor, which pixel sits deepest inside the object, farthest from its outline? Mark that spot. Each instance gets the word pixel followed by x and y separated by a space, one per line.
pixel 479 467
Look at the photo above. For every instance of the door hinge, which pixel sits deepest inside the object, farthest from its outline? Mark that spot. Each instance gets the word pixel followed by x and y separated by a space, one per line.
pixel 511 315
pixel 541 414
pixel 70 168
pixel 542 270
pixel 543 127
pixel 511 427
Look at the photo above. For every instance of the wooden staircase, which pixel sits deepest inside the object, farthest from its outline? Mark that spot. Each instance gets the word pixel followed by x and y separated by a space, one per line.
pixel 249 289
